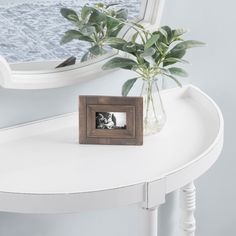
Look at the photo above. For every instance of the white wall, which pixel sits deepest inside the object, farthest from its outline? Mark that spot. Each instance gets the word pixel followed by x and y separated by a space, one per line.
pixel 212 70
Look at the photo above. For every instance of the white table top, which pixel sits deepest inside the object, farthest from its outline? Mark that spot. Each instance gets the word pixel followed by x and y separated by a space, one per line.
pixel 45 157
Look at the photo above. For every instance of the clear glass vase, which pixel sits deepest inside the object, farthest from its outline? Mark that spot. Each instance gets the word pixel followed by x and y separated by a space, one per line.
pixel 154 116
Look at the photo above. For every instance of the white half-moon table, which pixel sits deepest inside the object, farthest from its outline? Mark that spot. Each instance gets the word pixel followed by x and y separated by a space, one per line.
pixel 43 169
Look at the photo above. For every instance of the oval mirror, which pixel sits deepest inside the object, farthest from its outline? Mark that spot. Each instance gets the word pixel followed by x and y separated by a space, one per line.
pixel 32 33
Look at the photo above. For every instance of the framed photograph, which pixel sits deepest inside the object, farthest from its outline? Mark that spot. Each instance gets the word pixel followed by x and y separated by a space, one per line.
pixel 111 120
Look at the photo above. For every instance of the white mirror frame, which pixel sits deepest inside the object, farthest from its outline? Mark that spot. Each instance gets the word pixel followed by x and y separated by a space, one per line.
pixel 33 75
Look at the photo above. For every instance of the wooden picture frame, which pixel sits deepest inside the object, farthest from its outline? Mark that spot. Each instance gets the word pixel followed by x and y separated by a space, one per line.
pixel 110 120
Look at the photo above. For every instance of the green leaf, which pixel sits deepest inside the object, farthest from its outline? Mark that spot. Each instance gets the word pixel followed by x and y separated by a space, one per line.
pixel 74 34
pixel 96 50
pixel 70 35
pixel 176 53
pixel 113 26
pixel 88 30
pixel 149 52
pixel 84 57
pixel 163 46
pixel 168 30
pixel 157 56
pixel 163 32
pixel 188 44
pixel 97 17
pixel 172 60
pixel 66 39
pixel 150 60
pixel 85 11
pixel 122 14
pixel 130 48
pixel 113 32
pixel 128 85
pixel 120 62
pixel 114 40
pixel 80 24
pixel 86 38
pixel 69 14
pixel 178 71
pixel 151 41
pixel 134 37
pixel 174 79
pixel 116 43
pixel 179 50
pixel 178 32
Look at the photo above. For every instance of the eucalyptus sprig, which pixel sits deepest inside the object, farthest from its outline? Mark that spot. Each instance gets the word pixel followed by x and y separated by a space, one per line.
pixel 96 25
pixel 154 54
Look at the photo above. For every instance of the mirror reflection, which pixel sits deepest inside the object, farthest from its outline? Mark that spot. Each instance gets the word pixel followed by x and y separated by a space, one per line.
pixel 35 31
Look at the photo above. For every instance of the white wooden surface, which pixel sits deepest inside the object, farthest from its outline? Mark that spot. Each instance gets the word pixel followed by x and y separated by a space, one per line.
pixel 43 169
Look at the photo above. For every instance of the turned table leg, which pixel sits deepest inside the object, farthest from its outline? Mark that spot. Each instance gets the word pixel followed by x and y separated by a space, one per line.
pixel 152 222
pixel 188 206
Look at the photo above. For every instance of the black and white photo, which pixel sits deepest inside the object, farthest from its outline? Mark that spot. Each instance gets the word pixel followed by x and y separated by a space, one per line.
pixel 111 120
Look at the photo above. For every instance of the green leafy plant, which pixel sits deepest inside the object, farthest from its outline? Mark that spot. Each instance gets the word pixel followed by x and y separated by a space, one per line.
pixel 99 25
pixel 152 54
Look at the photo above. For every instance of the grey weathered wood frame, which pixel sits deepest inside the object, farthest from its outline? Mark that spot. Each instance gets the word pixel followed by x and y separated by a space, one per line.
pixel 132 106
